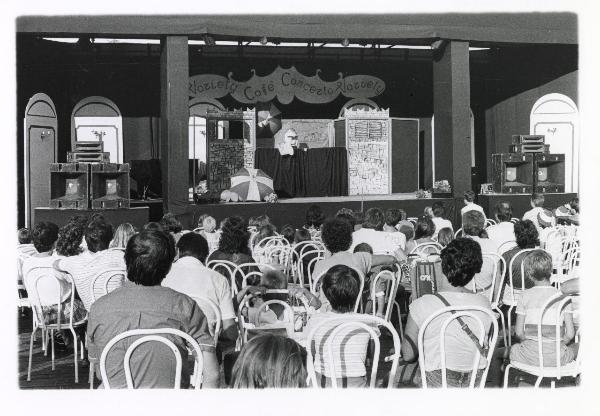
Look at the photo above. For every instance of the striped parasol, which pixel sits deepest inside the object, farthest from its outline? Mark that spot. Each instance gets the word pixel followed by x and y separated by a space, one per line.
pixel 251 184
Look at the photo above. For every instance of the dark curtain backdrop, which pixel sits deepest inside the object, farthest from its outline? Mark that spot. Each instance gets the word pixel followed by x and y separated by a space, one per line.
pixel 315 172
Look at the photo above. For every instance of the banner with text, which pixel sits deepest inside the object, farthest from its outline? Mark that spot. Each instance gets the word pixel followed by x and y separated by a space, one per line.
pixel 285 84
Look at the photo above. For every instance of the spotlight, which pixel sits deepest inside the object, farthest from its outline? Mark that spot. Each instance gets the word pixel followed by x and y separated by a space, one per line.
pixel 263 40
pixel 345 43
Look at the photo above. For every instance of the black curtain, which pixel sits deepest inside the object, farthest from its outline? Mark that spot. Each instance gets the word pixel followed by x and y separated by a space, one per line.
pixel 315 172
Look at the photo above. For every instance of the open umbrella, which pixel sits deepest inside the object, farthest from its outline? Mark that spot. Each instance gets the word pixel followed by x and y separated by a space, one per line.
pixel 251 184
pixel 268 120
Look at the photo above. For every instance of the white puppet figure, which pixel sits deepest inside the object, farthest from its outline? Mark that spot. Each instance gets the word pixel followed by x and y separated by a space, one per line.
pixel 290 141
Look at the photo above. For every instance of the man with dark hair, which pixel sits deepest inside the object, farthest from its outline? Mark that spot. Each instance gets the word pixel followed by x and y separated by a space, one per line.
pixel 504 230
pixel 146 305
pixel 348 215
pixel 188 275
pixel 439 211
pixel 470 204
pixel 373 234
pixel 97 258
pixel 341 287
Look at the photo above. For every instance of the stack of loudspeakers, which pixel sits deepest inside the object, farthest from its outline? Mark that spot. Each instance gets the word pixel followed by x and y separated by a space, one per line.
pixel 529 167
pixel 88 181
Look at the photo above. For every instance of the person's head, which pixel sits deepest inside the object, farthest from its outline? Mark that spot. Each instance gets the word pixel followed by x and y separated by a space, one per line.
pixel 341 287
pixel 170 223
pixel 469 197
pixel 336 234
pixel 153 226
pixel 537 265
pixel 234 236
pixel 302 234
pixel 290 136
pixel 314 216
pixel 374 219
pixel 461 260
pixel 44 235
pixel 98 235
pixel 526 234
pixel 261 221
pixel 348 215
pixel 537 200
pixel 201 220
pixel 24 236
pixel 473 223
pixel 503 211
pixel 424 227
pixel 265 231
pixel 288 232
pixel 574 203
pixel 445 235
pixel 69 239
pixel 273 279
pixel 392 217
pixel 363 248
pixel 546 218
pixel 148 257
pixel 270 361
pixel 408 230
pixel 428 212
pixel 209 224
pixel 193 245
pixel 122 235
pixel 403 215
pixel 439 210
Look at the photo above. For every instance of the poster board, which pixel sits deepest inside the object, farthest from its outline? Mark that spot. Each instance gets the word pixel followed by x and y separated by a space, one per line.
pixel 314 132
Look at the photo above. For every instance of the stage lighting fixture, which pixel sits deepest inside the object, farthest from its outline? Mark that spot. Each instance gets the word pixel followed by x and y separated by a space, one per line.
pixel 345 43
pixel 263 40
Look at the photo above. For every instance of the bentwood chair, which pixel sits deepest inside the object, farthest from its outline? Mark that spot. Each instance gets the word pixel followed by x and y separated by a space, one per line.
pixel 154 335
pixel 449 316
pixel 99 285
pixel 316 286
pixel 226 268
pixel 392 281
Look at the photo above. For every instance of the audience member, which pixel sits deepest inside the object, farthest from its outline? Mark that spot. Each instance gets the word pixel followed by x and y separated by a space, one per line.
pixel 122 235
pixel 569 212
pixel 210 233
pixel 393 216
pixel 428 212
pixel 372 233
pixel 189 276
pixel 270 361
pixel 473 228
pixel 546 221
pixel 461 260
pixel 348 215
pixel 359 217
pixel 470 204
pixel 171 224
pixel 97 258
pixel 408 229
pixel 439 211
pixel 363 248
pixel 341 287
pixel 424 230
pixel 314 219
pixel 537 206
pixel 25 247
pixel 538 268
pixel 153 226
pixel 504 231
pixel 288 232
pixel 145 304
pixel 445 235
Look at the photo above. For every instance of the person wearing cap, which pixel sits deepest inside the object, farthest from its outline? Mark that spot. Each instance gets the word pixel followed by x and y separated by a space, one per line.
pixel 546 220
pixel 290 141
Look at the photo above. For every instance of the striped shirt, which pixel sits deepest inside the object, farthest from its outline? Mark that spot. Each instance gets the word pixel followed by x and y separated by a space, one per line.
pixel 352 342
pixel 85 266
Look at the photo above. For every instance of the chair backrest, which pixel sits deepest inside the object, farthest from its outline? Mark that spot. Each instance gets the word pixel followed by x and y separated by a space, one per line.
pixel 245 275
pixel 424 280
pixel 365 324
pixel 288 315
pixel 485 339
pixel 153 335
pixel 507 245
pixel 458 233
pixel 392 280
pixel 427 248
pixel 413 220
pixel 226 268
pixel 514 220
pixel 499 268
pixel 316 286
pixel 520 253
pixel 311 257
pixel 489 222
pixel 259 249
pixel 205 305
pixel 99 283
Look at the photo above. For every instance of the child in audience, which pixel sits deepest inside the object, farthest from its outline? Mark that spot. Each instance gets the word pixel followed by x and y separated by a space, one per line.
pixel 428 212
pixel 210 233
pixel 363 248
pixel 270 361
pixel 445 235
pixel 409 232
pixel 288 232
pixel 341 287
pixel 438 218
pixel 359 217
pixel 538 268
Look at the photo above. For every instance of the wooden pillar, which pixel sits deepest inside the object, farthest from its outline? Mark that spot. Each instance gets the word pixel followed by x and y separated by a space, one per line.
pixel 174 115
pixel 451 103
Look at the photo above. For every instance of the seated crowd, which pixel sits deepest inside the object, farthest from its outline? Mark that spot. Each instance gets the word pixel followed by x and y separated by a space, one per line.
pixel 262 301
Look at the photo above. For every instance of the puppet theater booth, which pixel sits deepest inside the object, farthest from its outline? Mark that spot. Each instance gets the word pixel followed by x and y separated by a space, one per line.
pixel 381 108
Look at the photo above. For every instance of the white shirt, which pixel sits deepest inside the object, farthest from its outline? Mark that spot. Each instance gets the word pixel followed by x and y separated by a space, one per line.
pixel 501 232
pixel 47 287
pixel 440 223
pixel 379 241
pixel 471 206
pixel 532 215
pixel 189 276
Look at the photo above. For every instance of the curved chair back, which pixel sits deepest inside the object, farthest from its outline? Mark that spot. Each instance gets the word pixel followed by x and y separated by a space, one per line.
pixel 427 248
pixel 260 247
pixel 205 305
pixel 316 287
pixel 153 335
pixel 489 222
pixel 486 340
pixel 391 286
pixel 313 256
pixel 245 275
pixel 226 268
pixel 100 282
pixel 458 233
pixel 413 220
pixel 514 220
pixel 244 324
pixel 498 274
pixel 340 333
pixel 507 245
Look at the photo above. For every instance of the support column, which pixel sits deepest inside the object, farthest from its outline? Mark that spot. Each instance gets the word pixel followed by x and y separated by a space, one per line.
pixel 174 115
pixel 451 102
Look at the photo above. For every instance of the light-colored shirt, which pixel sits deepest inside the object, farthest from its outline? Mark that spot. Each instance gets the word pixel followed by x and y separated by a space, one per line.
pixel 352 342
pixel 26 250
pixel 532 215
pixel 379 241
pixel 501 233
pixel 483 279
pixel 460 349
pixel 85 266
pixel 145 307
pixel 189 276
pixel 531 305
pixel 360 261
pixel 48 288
pixel 471 206
pixel 440 223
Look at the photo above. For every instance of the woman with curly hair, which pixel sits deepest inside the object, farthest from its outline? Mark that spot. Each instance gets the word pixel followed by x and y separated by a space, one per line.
pixel 122 235
pixel 461 259
pixel 424 230
pixel 70 237
pixel 233 246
